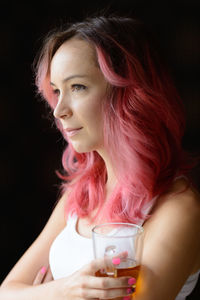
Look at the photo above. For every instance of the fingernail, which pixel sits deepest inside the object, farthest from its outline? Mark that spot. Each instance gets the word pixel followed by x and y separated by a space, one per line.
pixel 43 270
pixel 131 281
pixel 116 261
pixel 127 298
pixel 129 291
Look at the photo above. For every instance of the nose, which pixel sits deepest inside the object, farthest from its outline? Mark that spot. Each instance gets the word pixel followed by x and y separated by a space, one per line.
pixel 62 109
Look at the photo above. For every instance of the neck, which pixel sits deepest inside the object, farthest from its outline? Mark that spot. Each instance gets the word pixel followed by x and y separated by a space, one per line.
pixel 111 177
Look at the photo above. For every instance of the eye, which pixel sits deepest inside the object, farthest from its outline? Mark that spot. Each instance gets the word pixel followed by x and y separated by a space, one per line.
pixel 56 92
pixel 78 87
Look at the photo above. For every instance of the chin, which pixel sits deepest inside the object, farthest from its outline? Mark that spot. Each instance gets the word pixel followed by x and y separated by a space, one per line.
pixel 83 148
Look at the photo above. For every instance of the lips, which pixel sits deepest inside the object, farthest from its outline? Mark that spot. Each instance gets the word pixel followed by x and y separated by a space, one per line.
pixel 72 131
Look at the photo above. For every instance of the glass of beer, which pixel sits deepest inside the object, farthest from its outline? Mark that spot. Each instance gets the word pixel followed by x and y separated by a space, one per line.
pixel 122 243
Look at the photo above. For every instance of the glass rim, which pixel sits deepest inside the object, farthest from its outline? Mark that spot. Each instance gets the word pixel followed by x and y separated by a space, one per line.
pixel 141 230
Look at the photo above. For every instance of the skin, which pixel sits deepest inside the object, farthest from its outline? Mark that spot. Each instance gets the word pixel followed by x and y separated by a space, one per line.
pixel 172 234
pixel 80 99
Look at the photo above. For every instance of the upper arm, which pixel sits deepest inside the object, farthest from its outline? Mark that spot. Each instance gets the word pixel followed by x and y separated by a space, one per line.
pixel 37 254
pixel 171 246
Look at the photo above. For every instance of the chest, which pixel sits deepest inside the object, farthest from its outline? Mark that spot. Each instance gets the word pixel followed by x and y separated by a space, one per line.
pixel 84 227
pixel 70 251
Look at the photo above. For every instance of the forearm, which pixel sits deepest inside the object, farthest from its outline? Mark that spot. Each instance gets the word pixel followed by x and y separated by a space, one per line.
pixel 20 291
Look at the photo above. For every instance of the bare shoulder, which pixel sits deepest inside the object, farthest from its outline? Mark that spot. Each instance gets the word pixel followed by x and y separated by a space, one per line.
pixel 182 202
pixel 58 213
pixel 172 241
pixel 177 212
pixel 57 221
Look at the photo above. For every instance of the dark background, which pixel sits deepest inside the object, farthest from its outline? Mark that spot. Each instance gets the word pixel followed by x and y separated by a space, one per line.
pixel 31 147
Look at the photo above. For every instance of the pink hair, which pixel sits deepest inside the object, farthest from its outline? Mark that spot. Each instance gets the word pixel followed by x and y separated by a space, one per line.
pixel 143 127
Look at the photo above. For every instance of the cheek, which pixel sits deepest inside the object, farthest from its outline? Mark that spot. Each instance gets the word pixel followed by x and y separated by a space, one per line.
pixel 95 116
pixel 91 112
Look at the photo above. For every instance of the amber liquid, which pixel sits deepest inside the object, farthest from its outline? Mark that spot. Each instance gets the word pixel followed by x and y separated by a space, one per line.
pixel 127 267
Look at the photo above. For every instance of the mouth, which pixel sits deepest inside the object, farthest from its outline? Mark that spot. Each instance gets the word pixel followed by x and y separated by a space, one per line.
pixel 72 131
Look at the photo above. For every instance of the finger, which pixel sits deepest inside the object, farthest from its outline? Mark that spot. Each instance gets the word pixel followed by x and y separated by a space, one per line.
pixel 40 275
pixel 105 294
pixel 122 255
pixel 98 264
pixel 107 282
pixel 48 276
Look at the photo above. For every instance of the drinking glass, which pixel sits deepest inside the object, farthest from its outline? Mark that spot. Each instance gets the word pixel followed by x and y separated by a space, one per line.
pixel 119 240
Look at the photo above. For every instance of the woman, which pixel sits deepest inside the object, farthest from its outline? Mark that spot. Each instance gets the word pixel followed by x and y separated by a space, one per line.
pixel 117 108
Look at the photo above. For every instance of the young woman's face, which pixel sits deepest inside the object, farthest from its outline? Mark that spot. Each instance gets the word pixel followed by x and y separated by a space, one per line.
pixel 80 89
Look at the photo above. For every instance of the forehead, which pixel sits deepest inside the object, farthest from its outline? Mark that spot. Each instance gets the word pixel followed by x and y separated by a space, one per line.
pixel 74 55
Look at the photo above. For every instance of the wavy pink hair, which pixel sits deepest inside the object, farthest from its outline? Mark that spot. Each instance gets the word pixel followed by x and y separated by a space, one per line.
pixel 143 127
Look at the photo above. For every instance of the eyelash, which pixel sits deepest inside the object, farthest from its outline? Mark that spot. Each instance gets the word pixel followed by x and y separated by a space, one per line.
pixel 56 92
pixel 80 87
pixel 74 87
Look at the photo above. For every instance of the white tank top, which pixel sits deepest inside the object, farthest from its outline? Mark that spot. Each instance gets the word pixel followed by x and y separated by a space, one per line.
pixel 70 251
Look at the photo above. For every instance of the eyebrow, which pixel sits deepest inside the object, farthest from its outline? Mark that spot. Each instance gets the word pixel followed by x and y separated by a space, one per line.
pixel 71 77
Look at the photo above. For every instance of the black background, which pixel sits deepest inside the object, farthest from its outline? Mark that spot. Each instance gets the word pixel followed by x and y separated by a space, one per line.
pixel 31 147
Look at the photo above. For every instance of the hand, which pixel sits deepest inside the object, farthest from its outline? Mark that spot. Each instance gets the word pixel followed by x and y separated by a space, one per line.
pixel 43 275
pixel 83 284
